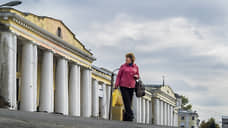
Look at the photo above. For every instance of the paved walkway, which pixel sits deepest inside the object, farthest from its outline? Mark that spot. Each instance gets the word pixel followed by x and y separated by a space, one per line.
pixel 19 119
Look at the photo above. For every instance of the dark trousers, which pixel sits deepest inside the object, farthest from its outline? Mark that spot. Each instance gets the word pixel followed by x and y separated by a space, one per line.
pixel 127 95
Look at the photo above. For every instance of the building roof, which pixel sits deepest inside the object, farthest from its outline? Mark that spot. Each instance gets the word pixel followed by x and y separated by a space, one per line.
pixel 177 95
pixel 153 85
pixel 188 112
pixel 224 117
pixel 102 70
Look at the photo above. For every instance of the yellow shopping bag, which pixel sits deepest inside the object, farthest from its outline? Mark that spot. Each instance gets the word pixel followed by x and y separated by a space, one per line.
pixel 116 98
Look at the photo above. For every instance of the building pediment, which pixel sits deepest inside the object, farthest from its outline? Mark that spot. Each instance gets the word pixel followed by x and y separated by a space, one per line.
pixel 54 26
pixel 51 33
pixel 167 90
pixel 57 28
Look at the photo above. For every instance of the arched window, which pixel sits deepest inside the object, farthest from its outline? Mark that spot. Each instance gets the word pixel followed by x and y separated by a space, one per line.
pixel 59 32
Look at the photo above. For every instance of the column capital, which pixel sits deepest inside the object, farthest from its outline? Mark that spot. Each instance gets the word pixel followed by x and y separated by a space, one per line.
pixel 44 50
pixel 95 80
pixel 86 68
pixel 62 57
pixel 71 62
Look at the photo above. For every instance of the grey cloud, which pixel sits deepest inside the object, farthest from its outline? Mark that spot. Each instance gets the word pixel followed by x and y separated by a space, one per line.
pixel 210 101
pixel 204 11
pixel 182 86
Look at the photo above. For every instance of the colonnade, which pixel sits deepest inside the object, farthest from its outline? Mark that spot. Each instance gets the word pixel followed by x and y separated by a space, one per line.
pixel 163 113
pixel 142 109
pixel 153 111
pixel 64 86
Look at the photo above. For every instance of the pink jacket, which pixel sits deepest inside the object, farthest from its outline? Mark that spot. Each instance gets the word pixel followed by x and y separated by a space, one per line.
pixel 125 77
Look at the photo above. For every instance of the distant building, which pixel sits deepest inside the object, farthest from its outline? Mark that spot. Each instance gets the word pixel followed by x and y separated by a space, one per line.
pixel 162 106
pixel 188 119
pixel 178 101
pixel 224 121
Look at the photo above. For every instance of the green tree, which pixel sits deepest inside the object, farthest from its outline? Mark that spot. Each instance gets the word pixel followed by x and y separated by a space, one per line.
pixel 209 124
pixel 185 103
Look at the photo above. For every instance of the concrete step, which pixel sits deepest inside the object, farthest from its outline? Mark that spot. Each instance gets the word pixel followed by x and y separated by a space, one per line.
pixel 20 119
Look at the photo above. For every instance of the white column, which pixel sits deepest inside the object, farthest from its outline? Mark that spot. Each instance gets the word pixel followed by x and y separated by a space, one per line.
pixel 168 115
pixel 138 111
pixel 143 111
pixel 74 90
pixel 148 111
pixel 171 115
pixel 157 111
pixel 86 103
pixel 61 87
pixel 95 98
pixel 35 67
pixel 165 114
pixel 108 89
pixel 175 119
pixel 151 112
pixel 137 108
pixel 8 55
pixel 162 113
pixel 27 73
pixel 46 83
pixel 104 102
pixel 172 121
pixel 134 107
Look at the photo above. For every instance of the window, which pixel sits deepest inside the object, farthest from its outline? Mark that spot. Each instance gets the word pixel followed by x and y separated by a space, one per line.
pixel 182 118
pixel 193 117
pixel 59 32
pixel 193 127
pixel 182 126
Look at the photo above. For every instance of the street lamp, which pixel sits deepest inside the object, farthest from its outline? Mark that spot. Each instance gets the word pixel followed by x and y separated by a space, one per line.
pixel 112 83
pixel 11 3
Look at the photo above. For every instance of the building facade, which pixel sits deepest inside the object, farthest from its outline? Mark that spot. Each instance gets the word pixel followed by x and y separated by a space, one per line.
pixel 224 121
pixel 157 107
pixel 188 119
pixel 44 67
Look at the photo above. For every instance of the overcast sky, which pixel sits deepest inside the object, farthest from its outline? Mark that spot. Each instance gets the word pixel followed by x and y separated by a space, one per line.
pixel 186 41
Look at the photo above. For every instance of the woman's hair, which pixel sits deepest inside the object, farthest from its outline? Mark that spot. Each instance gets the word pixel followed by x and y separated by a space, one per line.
pixel 131 56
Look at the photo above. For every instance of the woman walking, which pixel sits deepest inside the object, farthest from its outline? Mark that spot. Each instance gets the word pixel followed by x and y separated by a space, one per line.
pixel 127 75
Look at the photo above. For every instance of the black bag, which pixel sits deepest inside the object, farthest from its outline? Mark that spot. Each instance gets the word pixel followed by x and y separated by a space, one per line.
pixel 139 88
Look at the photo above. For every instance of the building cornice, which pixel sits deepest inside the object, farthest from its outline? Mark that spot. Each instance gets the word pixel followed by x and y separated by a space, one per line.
pixel 100 75
pixel 155 94
pixel 43 33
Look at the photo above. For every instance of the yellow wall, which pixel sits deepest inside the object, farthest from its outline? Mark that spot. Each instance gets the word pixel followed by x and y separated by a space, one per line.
pixel 168 91
pixel 50 24
pixel 190 121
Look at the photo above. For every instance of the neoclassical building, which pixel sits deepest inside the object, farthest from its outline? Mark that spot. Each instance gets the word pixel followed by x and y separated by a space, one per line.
pixel 143 108
pixel 158 106
pixel 44 67
pixel 188 119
